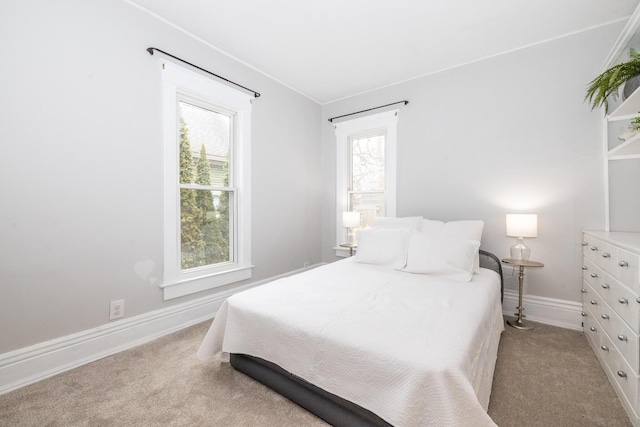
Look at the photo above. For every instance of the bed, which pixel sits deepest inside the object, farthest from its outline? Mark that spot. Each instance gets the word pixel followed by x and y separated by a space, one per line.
pixel 377 343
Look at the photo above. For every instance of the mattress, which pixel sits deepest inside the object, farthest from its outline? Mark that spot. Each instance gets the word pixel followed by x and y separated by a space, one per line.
pixel 413 349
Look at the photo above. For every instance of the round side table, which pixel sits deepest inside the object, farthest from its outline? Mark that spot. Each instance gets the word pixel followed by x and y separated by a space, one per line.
pixel 519 323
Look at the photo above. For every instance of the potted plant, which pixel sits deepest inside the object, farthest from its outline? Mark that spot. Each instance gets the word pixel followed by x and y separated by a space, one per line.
pixel 609 81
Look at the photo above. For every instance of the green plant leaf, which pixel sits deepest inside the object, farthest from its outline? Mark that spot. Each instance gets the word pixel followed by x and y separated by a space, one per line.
pixel 607 83
pixel 613 77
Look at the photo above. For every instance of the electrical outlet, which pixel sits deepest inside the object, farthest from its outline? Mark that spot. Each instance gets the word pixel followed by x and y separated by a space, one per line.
pixel 305 264
pixel 116 309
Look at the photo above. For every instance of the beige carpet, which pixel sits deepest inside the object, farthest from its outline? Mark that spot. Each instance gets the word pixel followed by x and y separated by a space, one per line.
pixel 545 377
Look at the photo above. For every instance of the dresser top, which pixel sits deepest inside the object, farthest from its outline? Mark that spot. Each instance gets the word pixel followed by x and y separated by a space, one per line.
pixel 625 240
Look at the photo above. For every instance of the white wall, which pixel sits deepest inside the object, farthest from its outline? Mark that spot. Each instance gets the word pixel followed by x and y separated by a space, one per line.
pixel 624 195
pixel 81 166
pixel 507 134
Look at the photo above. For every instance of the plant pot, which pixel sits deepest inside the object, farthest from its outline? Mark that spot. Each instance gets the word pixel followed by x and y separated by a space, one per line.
pixel 630 86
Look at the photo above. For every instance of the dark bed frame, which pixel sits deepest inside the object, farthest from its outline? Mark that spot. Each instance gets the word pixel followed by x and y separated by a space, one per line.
pixel 331 408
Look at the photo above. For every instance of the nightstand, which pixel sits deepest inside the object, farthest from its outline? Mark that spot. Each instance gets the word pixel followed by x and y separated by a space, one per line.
pixel 519 322
pixel 351 247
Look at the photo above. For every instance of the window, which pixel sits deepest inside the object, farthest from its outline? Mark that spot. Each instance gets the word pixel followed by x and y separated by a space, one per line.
pixel 206 183
pixel 206 186
pixel 366 170
pixel 366 175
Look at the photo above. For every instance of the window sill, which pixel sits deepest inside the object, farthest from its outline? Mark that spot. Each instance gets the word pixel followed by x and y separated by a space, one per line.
pixel 343 252
pixel 189 286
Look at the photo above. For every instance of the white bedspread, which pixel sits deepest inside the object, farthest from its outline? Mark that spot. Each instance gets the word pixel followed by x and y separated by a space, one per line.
pixel 416 350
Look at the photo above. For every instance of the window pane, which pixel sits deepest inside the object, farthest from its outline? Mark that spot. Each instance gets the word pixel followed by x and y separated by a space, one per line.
pixel 369 204
pixel 367 163
pixel 204 227
pixel 204 134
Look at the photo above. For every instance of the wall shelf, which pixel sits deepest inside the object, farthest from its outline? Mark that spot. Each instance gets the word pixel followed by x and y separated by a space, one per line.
pixel 630 149
pixel 621 158
pixel 629 109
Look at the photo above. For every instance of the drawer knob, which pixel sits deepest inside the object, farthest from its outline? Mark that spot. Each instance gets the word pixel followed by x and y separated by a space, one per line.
pixel 604 348
pixel 594 248
pixel 623 264
pixel 594 275
pixel 605 316
pixel 606 255
pixel 585 244
pixel 593 302
pixel 584 291
pixel 622 374
pixel 584 267
pixel 622 337
pixel 605 286
pixel 593 329
pixel 583 314
pixel 638 300
pixel 623 301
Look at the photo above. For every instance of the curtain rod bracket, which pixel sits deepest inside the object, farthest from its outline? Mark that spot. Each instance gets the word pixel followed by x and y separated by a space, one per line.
pixel 405 102
pixel 151 49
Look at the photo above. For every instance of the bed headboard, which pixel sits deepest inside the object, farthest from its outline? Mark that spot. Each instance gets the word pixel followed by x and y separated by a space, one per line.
pixel 490 261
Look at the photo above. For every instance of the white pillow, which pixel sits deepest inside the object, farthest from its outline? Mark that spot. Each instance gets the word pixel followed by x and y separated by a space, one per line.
pixel 440 255
pixel 430 226
pixel 466 230
pixel 412 222
pixel 383 246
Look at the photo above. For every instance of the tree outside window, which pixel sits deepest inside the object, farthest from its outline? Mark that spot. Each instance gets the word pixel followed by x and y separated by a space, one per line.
pixel 204 182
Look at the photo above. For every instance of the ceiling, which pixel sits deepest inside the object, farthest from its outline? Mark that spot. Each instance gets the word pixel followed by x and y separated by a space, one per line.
pixel 333 49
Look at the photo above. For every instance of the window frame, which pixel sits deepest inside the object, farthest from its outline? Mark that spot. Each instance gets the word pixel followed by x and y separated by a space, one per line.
pixel 181 84
pixel 385 122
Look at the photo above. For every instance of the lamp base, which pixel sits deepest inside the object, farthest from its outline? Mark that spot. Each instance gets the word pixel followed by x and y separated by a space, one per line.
pixel 519 324
pixel 351 238
pixel 520 251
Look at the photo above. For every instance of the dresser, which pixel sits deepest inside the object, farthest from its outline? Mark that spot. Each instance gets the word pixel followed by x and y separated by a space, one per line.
pixel 611 310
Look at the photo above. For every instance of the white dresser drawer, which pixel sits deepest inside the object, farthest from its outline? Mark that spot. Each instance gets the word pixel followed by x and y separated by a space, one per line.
pixel 590 271
pixel 628 265
pixel 596 277
pixel 607 258
pixel 592 248
pixel 592 329
pixel 606 289
pixel 625 339
pixel 619 369
pixel 623 301
pixel 591 300
pixel 611 307
pixel 613 361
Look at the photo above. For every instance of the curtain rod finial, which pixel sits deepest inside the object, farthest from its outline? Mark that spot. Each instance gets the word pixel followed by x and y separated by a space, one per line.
pixel 150 50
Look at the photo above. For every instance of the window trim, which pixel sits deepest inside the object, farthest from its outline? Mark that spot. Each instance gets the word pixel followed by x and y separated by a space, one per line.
pixel 179 83
pixel 387 122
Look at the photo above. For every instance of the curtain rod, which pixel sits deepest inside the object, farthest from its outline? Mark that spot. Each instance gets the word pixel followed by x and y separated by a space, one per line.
pixel 151 49
pixel 369 109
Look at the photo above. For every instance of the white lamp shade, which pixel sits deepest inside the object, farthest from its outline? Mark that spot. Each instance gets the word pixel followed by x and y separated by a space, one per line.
pixel 522 225
pixel 350 219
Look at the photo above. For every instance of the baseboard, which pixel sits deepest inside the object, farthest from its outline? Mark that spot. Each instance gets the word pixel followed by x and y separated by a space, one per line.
pixel 31 364
pixel 550 311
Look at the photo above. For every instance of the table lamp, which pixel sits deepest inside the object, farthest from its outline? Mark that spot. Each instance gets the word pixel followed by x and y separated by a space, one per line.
pixel 350 220
pixel 521 226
